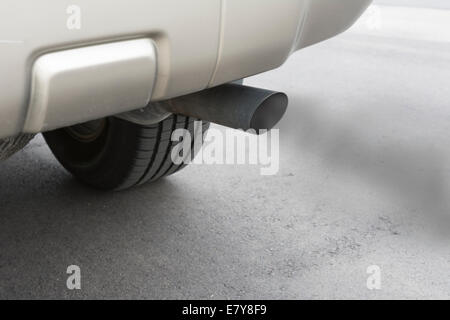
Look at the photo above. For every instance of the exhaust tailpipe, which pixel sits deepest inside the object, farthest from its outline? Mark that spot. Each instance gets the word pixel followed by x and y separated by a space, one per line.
pixel 232 105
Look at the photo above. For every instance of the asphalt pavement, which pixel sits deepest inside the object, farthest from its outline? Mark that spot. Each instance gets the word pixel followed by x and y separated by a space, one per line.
pixel 364 181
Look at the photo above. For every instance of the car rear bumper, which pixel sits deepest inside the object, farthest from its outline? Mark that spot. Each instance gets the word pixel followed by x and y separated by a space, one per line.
pixel 198 43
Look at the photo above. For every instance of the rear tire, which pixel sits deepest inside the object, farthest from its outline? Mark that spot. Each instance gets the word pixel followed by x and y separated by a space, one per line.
pixel 114 154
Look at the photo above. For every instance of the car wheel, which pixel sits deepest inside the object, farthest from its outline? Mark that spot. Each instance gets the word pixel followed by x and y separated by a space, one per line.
pixel 115 154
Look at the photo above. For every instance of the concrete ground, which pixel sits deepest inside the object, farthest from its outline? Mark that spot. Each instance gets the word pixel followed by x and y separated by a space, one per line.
pixel 364 180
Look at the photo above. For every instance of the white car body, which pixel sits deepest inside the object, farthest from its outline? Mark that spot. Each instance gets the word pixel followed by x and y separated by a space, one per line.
pixel 197 44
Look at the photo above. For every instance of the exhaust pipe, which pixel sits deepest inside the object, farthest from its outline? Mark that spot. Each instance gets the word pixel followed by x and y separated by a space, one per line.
pixel 232 105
